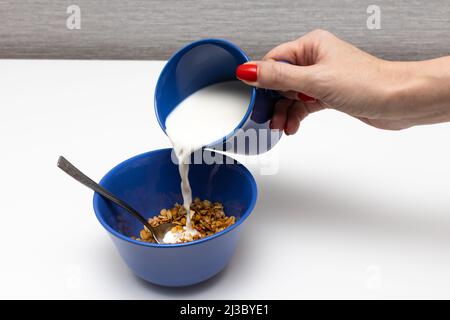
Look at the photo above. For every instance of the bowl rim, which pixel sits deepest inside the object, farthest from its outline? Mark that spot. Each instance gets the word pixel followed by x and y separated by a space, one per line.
pixel 119 235
pixel 178 55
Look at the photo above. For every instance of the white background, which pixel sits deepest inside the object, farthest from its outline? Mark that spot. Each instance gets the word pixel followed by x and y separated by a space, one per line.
pixel 353 212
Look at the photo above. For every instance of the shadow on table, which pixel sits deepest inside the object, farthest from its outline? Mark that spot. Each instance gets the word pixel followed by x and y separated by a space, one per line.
pixel 312 203
pixel 181 292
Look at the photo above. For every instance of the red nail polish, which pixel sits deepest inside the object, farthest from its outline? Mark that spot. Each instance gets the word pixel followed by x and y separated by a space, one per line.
pixel 247 72
pixel 304 97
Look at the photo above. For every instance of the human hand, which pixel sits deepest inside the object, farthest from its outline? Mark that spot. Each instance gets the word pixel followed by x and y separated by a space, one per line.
pixel 384 94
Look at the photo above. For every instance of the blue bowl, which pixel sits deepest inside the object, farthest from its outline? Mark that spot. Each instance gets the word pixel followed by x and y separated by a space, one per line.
pixel 150 182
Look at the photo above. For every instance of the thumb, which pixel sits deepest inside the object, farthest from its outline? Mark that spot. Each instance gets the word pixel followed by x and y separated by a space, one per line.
pixel 280 76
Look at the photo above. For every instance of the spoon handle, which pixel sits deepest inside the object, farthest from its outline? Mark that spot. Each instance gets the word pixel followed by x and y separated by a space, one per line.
pixel 72 171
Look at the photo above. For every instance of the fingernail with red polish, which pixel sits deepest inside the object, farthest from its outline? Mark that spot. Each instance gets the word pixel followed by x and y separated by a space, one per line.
pixel 247 72
pixel 304 97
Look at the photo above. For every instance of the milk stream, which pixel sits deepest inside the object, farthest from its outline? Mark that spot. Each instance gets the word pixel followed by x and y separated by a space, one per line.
pixel 207 115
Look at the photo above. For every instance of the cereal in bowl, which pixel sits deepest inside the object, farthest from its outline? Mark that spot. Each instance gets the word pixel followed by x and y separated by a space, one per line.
pixel 207 218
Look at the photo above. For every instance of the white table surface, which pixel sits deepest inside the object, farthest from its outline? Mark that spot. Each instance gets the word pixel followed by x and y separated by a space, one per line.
pixel 353 212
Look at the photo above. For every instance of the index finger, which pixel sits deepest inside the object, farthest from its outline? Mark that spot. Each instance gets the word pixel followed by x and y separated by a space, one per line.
pixel 283 52
pixel 302 51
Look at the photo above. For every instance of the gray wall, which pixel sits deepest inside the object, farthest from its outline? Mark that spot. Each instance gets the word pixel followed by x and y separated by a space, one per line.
pixel 153 29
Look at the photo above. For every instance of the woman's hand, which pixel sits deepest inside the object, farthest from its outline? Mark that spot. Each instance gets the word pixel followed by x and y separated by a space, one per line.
pixel 326 72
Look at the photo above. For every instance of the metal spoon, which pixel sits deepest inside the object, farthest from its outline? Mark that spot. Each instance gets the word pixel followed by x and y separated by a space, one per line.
pixel 157 233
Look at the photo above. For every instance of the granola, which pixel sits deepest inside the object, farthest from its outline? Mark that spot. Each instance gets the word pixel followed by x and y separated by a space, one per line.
pixel 207 218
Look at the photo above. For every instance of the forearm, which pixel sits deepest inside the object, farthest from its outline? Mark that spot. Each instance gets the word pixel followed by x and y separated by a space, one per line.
pixel 422 93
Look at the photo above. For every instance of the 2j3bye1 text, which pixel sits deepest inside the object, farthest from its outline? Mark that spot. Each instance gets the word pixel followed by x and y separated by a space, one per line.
pixel 228 310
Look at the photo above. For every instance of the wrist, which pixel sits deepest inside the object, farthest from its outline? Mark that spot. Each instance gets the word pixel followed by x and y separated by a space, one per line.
pixel 420 90
pixel 402 88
